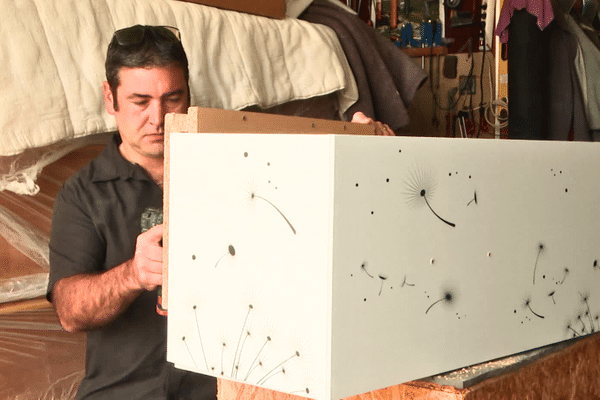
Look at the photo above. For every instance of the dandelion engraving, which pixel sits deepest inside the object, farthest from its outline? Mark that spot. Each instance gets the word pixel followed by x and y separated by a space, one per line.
pixel 308 382
pixel 230 251
pixel 253 195
pixel 268 375
pixel 404 282
pixel 189 352
pixel 363 267
pixel 421 187
pixel 382 278
pixel 570 329
pixel 566 272
pixel 252 366
pixel 587 313
pixel 583 330
pixel 527 304
pixel 540 249
pixel 473 200
pixel 224 345
pixel 447 298
pixel 236 356
pixel 199 335
pixel 246 336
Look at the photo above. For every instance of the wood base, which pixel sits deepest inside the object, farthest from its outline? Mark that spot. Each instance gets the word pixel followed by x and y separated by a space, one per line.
pixel 569 373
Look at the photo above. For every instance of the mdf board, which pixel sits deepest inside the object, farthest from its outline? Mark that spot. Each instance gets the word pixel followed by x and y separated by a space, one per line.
pixel 333 265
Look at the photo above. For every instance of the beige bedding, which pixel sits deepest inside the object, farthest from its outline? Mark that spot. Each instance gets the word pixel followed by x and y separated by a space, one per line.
pixel 53 52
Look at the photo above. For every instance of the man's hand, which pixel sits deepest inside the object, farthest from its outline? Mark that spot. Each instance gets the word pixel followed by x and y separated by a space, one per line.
pixel 88 301
pixel 381 129
pixel 147 263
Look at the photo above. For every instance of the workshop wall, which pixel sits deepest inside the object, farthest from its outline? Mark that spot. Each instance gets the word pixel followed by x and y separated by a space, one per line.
pixel 437 103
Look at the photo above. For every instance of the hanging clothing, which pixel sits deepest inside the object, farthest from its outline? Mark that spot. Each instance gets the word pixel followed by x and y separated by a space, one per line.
pixel 587 65
pixel 541 9
pixel 386 77
pixel 564 107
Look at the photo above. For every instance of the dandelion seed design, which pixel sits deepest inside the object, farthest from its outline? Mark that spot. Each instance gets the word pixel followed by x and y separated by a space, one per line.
pixel 570 329
pixel 566 273
pixel 420 188
pixel 382 278
pixel 540 249
pixel 235 356
pixel 199 335
pixel 404 282
pixel 258 367
pixel 527 304
pixel 248 334
pixel 252 196
pixel 268 375
pixel 583 330
pixel 448 298
pixel 189 352
pixel 363 267
pixel 230 251
pixel 579 324
pixel 252 367
pixel 587 313
pixel 224 344
pixel 474 200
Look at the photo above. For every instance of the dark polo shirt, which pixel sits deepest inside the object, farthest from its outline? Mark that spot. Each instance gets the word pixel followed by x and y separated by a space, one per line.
pixel 96 220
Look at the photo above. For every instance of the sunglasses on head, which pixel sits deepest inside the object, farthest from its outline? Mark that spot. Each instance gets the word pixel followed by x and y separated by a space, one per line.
pixel 135 34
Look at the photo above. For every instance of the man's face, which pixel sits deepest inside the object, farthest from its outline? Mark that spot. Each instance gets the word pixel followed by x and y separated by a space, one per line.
pixel 144 96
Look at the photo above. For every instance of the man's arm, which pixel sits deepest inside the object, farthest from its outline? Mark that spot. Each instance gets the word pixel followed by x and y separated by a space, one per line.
pixel 87 301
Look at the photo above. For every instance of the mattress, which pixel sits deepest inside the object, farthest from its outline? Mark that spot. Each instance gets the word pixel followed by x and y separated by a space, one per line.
pixel 53 56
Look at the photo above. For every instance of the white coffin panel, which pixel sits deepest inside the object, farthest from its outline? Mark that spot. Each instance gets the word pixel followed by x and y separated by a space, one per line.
pixel 329 266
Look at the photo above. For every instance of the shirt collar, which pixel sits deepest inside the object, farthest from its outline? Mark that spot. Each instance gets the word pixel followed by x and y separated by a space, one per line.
pixel 111 165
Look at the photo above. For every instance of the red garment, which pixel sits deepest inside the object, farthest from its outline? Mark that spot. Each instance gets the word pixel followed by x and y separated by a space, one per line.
pixel 541 9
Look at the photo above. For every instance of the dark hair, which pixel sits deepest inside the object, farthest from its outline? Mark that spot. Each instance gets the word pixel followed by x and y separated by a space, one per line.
pixel 143 46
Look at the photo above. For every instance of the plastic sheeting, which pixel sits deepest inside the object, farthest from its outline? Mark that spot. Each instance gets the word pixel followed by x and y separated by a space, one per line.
pixel 38 359
pixel 23 287
pixel 18 173
pixel 25 237
pixel 32 243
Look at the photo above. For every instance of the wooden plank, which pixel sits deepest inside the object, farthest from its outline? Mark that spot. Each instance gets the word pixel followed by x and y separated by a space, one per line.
pixel 210 120
pixel 25 305
pixel 265 8
pixel 227 390
pixel 173 123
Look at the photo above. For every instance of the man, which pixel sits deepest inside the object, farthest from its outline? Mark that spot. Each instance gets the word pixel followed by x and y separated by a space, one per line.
pixel 105 268
pixel 102 278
